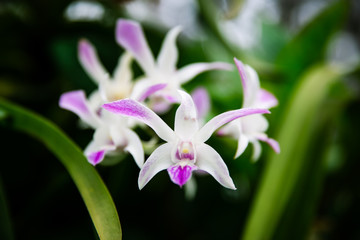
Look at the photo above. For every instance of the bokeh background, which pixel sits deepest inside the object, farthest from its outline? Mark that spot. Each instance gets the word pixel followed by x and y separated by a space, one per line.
pixel 283 40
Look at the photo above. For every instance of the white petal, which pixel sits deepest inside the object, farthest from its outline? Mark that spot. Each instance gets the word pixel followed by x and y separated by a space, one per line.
pixel 158 160
pixel 207 130
pixel 90 61
pixel 188 72
pixel 243 142
pixel 134 109
pixel 123 71
pixel 272 142
pixel 134 147
pixel 130 35
pixel 186 123
pixel 210 161
pixel 168 55
pixel 76 102
pixel 257 150
pixel 254 124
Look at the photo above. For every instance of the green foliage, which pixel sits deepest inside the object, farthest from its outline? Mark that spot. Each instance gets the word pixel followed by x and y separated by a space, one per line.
pixel 92 189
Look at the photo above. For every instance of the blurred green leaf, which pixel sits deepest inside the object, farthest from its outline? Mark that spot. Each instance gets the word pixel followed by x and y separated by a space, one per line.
pixel 309 45
pixel 92 189
pixel 300 126
pixel 6 230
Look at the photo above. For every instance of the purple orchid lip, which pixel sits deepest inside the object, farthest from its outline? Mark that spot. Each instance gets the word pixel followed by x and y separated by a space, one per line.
pixel 151 90
pixel 96 157
pixel 180 174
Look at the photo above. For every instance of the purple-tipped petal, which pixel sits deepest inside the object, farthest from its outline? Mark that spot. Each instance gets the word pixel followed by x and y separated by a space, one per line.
pixel 130 35
pixel 96 157
pixel 75 101
pixel 207 130
pixel 168 55
pixel 186 123
pixel 158 160
pixel 272 142
pixel 266 99
pixel 188 72
pixel 241 68
pixel 151 90
pixel 180 174
pixel 90 61
pixel 134 109
pixel 211 162
pixel 202 101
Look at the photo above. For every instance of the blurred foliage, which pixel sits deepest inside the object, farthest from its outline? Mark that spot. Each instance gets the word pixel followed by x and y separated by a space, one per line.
pixel 315 188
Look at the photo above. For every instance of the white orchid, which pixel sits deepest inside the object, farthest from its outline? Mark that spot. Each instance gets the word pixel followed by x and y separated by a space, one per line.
pixel 185 149
pixel 251 129
pixel 129 35
pixel 112 133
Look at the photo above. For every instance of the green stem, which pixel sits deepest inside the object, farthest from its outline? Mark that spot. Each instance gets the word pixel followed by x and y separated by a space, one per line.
pixel 91 187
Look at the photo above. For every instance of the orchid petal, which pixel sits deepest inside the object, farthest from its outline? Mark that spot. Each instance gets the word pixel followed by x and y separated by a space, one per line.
pixel 272 142
pixel 130 35
pixel 186 123
pixel 180 174
pixel 96 157
pixel 168 55
pixel 202 101
pixel 158 160
pixel 250 82
pixel 257 150
pixel 265 99
pixel 188 72
pixel 90 61
pixel 134 147
pixel 207 130
pixel 122 73
pixel 150 90
pixel 243 142
pixel 134 109
pixel 76 102
pixel 210 161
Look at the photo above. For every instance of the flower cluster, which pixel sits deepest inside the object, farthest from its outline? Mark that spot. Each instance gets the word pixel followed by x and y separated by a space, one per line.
pixel 118 104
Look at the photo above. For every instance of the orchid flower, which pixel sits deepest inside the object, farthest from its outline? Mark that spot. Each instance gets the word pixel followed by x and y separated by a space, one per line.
pixel 251 129
pixel 112 133
pixel 185 149
pixel 129 35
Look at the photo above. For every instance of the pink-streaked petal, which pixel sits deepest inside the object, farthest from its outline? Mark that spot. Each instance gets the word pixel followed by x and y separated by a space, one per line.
pixel 188 72
pixel 266 99
pixel 134 147
pixel 211 162
pixel 136 110
pixel 90 61
pixel 180 174
pixel 186 123
pixel 250 83
pixel 168 55
pixel 150 90
pixel 75 101
pixel 130 35
pixel 158 160
pixel 272 142
pixel 202 101
pixel 243 142
pixel 96 157
pixel 207 130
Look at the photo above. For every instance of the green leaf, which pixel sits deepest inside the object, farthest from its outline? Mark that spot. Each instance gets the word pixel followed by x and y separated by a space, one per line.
pixel 299 126
pixel 91 187
pixel 309 45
